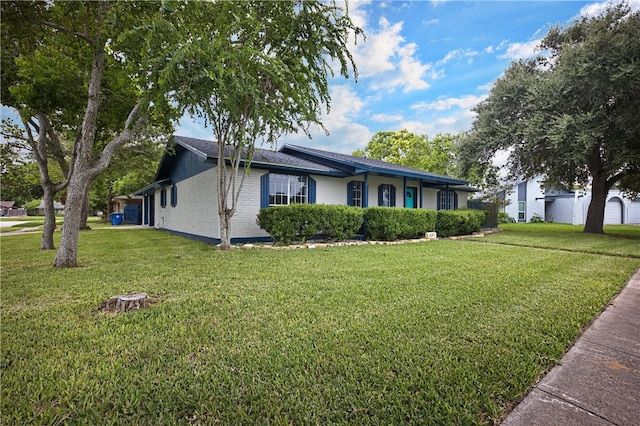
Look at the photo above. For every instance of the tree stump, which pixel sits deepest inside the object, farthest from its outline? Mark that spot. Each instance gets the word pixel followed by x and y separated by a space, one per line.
pixel 124 303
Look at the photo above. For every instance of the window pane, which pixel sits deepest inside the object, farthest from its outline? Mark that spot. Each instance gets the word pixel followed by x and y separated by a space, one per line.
pixel 357 194
pixel 287 189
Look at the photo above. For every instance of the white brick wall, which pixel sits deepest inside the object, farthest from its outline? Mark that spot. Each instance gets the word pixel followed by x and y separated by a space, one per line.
pixel 196 212
pixel 243 223
pixel 430 200
pixel 331 190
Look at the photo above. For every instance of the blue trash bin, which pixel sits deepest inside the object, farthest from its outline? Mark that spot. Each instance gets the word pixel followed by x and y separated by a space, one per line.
pixel 116 219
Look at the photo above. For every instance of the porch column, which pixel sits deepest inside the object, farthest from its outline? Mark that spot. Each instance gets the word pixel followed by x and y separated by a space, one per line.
pixel 404 191
pixel 420 189
pixel 447 204
pixel 145 209
pixel 365 191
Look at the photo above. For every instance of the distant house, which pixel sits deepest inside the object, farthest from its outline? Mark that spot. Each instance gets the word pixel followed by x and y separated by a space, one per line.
pixel 58 207
pixel 9 208
pixel 567 206
pixel 183 197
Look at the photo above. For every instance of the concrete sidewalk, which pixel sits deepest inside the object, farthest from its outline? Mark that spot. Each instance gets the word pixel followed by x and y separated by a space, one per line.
pixel 598 380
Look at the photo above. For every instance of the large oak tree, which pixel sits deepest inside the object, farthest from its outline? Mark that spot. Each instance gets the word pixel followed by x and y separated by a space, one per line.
pixel 571 116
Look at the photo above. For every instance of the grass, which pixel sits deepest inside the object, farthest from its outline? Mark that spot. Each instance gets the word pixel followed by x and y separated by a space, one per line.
pixel 445 332
pixel 618 240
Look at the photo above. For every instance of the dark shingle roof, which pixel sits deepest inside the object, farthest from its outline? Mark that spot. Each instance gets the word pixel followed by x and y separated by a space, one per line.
pixel 311 160
pixel 373 165
pixel 262 157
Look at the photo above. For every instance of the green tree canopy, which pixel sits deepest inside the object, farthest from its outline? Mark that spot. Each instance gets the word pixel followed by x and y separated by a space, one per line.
pixel 408 149
pixel 572 116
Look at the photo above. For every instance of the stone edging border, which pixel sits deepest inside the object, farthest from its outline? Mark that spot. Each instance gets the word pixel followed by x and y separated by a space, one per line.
pixel 314 244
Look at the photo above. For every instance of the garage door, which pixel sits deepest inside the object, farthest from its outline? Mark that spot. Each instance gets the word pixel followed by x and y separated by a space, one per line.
pixel 613 212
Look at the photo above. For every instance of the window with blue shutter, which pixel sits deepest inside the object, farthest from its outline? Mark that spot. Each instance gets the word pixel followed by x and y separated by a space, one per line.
pixel 443 203
pixel 282 190
pixel 354 193
pixel 386 195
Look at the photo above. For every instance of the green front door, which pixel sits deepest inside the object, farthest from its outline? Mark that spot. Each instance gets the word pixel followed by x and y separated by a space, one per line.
pixel 410 198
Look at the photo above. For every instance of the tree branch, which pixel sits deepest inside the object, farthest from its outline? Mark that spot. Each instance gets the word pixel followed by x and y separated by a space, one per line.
pixel 80 35
pixel 127 134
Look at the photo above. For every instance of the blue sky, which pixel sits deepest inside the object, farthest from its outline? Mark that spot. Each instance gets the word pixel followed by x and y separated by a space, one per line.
pixel 425 64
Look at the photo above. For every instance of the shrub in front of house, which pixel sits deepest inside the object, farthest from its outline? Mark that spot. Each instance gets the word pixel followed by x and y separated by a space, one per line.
pixel 300 222
pixel 385 223
pixel 459 222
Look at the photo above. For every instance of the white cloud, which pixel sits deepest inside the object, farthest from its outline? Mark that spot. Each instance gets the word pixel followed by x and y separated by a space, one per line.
pixel 456 122
pixel 465 102
pixel 521 50
pixel 595 9
pixel 345 132
pixel 386 118
pixel 387 61
pixel 459 54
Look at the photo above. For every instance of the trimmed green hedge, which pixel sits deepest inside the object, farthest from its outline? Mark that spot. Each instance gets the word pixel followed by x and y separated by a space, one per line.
pixel 459 222
pixel 385 223
pixel 299 222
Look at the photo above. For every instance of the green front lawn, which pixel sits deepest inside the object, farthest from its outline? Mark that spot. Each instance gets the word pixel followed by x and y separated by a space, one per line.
pixel 444 332
pixel 618 240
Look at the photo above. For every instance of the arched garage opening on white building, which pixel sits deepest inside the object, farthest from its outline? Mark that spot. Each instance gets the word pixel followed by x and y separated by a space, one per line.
pixel 613 211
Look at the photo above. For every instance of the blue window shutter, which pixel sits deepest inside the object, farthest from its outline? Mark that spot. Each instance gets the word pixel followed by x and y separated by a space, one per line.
pixel 438 201
pixel 455 200
pixel 312 190
pixel 380 199
pixel 350 193
pixel 264 191
pixel 163 197
pixel 174 195
pixel 392 196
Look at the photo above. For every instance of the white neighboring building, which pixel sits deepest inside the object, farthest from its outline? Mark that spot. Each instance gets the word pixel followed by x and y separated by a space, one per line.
pixel 566 206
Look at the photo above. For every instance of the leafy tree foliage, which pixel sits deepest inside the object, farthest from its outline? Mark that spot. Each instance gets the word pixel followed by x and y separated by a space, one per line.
pixel 408 149
pixel 572 116
pixel 19 178
pixel 254 70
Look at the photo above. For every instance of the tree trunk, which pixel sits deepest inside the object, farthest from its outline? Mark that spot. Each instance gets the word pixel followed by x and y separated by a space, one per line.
pixel 76 193
pixel 595 215
pixel 85 213
pixel 225 232
pixel 49 219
